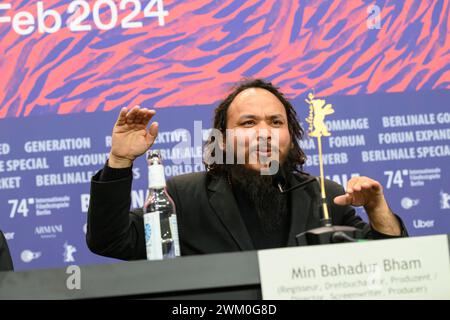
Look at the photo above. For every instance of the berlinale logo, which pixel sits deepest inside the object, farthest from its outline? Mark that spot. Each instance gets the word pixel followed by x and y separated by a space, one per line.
pixel 69 250
pixel 445 200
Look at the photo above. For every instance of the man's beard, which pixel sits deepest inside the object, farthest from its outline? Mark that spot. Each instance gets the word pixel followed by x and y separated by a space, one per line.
pixel 263 192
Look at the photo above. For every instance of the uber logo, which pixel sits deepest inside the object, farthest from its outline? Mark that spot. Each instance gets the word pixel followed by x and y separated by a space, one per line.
pixel 422 224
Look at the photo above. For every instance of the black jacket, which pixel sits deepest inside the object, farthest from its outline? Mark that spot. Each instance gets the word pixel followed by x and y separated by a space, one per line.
pixel 208 216
pixel 6 263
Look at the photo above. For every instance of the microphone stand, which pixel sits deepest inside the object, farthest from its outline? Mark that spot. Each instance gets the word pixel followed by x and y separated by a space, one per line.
pixel 327 233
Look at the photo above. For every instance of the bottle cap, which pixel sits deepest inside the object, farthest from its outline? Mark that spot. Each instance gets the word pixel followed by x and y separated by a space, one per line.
pixel 156 177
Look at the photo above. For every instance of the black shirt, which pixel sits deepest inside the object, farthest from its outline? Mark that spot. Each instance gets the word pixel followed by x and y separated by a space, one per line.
pixel 262 239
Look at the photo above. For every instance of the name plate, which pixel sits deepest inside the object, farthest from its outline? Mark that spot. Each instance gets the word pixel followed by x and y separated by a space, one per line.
pixel 407 268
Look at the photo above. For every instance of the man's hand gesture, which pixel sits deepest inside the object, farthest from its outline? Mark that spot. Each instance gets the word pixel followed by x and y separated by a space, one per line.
pixel 130 136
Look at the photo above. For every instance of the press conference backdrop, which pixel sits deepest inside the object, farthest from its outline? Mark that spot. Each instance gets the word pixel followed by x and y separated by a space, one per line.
pixel 67 67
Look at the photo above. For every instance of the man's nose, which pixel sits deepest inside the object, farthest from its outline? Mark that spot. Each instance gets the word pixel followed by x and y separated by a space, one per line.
pixel 263 130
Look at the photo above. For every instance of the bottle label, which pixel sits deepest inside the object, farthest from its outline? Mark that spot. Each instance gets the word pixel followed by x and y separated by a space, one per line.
pixel 153 236
pixel 156 178
pixel 174 230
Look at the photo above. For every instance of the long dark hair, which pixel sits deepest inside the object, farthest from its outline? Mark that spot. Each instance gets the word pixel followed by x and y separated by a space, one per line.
pixel 296 157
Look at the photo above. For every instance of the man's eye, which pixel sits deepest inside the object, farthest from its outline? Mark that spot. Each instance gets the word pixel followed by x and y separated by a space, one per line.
pixel 248 123
pixel 277 122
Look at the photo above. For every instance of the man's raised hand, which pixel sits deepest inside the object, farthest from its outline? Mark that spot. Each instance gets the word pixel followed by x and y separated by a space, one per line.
pixel 130 136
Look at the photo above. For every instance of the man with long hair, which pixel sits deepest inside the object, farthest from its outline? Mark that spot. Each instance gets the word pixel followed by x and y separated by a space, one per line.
pixel 239 203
